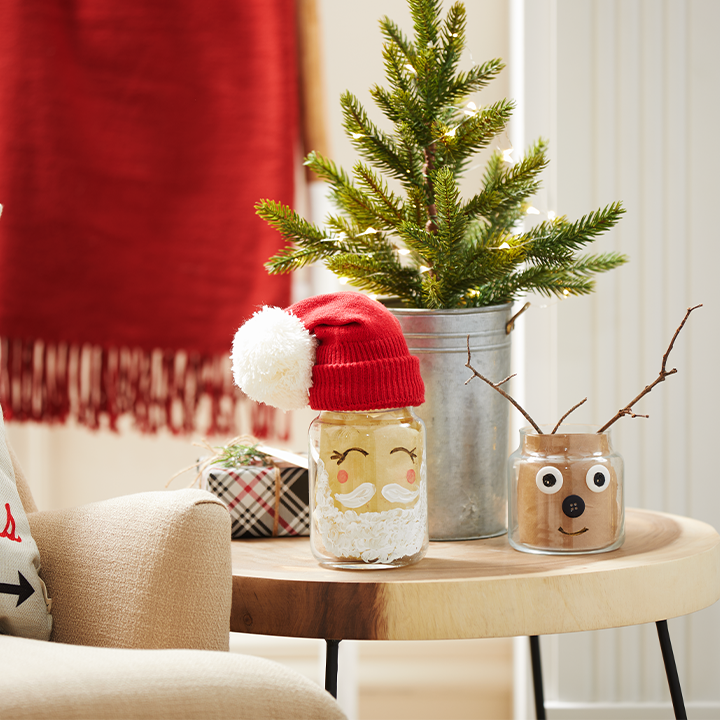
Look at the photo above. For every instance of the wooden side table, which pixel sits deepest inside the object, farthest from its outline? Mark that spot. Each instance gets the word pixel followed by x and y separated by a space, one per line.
pixel 669 566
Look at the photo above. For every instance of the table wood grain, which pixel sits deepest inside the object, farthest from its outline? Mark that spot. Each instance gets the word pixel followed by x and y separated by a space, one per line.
pixel 668 566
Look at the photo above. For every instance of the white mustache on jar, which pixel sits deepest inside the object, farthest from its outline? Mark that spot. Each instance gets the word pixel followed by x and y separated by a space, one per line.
pixel 359 496
pixel 395 493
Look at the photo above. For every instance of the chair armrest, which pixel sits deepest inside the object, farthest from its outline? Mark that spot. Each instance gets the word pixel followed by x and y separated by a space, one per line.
pixel 150 570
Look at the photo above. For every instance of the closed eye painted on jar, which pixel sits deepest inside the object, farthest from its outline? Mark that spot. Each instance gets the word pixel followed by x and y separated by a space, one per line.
pixel 411 453
pixel 549 480
pixel 340 457
pixel 598 478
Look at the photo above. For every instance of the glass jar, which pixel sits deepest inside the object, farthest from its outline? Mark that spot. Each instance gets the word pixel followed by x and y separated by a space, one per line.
pixel 566 492
pixel 368 488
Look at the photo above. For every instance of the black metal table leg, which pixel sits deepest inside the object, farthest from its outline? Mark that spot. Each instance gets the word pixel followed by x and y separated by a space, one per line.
pixel 537 677
pixel 671 669
pixel 331 667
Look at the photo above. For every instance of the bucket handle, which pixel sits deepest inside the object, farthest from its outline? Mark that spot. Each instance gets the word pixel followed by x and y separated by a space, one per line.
pixel 510 325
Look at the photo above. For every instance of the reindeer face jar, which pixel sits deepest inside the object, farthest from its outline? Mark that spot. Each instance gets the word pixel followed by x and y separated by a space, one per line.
pixel 566 492
pixel 345 355
pixel 566 483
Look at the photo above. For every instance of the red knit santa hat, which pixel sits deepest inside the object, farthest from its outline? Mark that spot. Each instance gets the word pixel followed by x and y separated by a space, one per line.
pixel 340 352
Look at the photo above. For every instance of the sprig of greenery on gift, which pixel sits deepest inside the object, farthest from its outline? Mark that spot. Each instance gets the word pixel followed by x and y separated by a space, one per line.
pixel 426 245
pixel 239 455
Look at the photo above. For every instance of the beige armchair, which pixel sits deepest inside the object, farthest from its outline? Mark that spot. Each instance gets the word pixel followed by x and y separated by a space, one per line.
pixel 141 593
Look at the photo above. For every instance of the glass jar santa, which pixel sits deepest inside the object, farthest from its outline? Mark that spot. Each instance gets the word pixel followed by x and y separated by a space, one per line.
pixel 345 355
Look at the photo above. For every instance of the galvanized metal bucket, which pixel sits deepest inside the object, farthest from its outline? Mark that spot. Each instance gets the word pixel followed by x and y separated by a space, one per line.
pixel 467 425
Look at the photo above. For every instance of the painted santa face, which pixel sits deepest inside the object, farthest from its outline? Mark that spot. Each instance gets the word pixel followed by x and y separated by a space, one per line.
pixel 567 493
pixel 368 488
pixel 372 468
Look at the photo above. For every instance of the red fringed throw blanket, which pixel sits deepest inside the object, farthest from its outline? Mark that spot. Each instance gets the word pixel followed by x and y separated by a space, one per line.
pixel 135 139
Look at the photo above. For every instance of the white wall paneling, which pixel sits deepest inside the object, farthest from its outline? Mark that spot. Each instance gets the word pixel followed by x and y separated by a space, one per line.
pixel 635 90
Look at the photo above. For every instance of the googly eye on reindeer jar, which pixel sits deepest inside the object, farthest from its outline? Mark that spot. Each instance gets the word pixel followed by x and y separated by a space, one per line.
pixel 566 483
pixel 345 355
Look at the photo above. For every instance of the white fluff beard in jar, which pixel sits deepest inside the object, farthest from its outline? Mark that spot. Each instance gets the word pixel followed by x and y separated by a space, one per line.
pixel 370 501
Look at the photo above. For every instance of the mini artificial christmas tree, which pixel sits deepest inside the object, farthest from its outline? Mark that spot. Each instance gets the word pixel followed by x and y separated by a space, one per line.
pixel 427 246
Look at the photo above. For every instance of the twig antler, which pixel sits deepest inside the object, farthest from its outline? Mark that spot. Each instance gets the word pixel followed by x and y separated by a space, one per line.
pixel 497 387
pixel 664 372
pixel 572 409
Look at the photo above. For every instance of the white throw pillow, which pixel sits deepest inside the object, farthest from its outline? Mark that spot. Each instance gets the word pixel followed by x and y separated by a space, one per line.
pixel 24 604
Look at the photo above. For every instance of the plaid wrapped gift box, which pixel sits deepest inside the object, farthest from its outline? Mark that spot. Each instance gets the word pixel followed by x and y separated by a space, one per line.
pixel 263 501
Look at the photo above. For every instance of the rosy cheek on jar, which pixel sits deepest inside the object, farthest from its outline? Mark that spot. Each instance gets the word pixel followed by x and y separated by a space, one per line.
pixel 342 476
pixel 410 477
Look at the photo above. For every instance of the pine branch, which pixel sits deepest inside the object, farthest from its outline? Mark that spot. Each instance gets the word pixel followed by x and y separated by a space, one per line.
pixel 411 156
pixel 453 43
pixel 451 223
pixel 405 109
pixel 400 73
pixel 291 258
pixel 382 276
pixel 425 15
pixel 346 197
pixel 415 208
pixel 388 104
pixel 395 36
pixel 505 190
pixel 326 170
pixel 388 205
pixel 359 239
pixel 588 265
pixel 553 241
pixel 485 270
pixel 432 294
pixel 472 81
pixel 574 279
pixel 371 142
pixel 475 133
pixel 424 244
pixel 292 226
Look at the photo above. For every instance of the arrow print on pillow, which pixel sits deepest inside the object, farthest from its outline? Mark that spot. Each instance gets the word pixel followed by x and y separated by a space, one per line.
pixel 23 590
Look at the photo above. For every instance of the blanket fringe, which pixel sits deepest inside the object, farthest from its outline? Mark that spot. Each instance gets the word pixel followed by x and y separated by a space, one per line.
pixel 183 392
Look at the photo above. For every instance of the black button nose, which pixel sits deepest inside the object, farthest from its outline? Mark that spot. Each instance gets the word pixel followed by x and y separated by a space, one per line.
pixel 573 506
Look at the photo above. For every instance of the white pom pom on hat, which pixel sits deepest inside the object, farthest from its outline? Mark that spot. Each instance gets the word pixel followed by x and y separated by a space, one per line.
pixel 342 352
pixel 272 359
